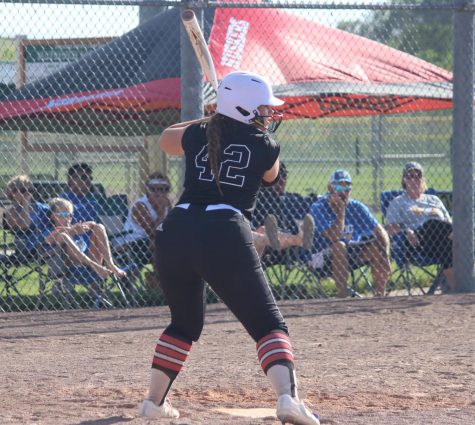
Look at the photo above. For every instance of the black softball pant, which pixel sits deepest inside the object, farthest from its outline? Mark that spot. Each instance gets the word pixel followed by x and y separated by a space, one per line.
pixel 195 245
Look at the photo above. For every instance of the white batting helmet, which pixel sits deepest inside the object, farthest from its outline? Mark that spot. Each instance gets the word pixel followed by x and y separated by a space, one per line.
pixel 240 93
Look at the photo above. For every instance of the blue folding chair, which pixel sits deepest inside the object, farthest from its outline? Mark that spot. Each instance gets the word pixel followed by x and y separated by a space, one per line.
pixel 406 259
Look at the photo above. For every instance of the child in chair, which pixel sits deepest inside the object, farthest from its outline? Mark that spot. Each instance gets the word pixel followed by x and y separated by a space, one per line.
pixel 84 243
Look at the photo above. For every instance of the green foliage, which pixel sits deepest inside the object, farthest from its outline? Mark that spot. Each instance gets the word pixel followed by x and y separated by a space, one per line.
pixel 426 34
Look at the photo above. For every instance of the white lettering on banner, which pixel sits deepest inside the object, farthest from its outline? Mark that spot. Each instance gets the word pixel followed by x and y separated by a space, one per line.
pixel 234 44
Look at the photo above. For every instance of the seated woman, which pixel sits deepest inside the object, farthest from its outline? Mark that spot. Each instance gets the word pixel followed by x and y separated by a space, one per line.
pixel 26 218
pixel 145 214
pixel 424 220
pixel 84 243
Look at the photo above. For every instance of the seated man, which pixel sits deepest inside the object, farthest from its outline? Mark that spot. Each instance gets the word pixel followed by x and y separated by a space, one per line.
pixel 423 220
pixel 278 209
pixel 81 193
pixel 26 218
pixel 347 236
pixel 145 214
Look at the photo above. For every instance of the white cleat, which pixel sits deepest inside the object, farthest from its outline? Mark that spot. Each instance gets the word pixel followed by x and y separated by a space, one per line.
pixel 294 412
pixel 149 409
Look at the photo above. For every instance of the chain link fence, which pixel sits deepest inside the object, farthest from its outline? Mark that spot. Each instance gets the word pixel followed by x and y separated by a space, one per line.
pixel 86 88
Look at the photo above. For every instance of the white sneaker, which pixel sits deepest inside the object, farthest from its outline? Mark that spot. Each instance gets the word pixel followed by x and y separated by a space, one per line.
pixel 149 409
pixel 308 229
pixel 294 412
pixel 272 231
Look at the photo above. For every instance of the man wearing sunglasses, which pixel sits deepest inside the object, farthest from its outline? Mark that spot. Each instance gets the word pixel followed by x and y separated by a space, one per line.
pixel 145 214
pixel 347 236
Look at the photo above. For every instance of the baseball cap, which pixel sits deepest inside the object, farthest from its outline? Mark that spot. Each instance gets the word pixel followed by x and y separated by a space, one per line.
pixel 412 166
pixel 340 176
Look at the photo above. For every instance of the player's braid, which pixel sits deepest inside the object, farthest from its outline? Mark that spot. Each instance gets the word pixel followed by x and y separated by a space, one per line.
pixel 214 132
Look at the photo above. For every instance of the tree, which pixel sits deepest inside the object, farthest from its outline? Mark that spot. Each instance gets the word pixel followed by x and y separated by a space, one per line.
pixel 426 34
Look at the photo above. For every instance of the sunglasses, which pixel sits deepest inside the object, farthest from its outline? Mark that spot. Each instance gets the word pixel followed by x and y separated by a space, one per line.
pixel 413 176
pixel 340 188
pixel 64 214
pixel 23 190
pixel 159 189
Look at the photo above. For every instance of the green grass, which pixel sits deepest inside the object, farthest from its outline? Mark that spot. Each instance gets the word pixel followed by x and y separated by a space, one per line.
pixel 30 297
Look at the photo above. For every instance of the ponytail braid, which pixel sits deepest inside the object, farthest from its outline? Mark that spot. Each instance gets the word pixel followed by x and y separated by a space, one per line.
pixel 214 132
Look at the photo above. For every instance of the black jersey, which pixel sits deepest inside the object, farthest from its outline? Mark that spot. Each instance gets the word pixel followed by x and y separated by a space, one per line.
pixel 245 155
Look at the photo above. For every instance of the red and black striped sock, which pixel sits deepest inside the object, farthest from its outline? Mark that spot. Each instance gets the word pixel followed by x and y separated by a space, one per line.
pixel 277 360
pixel 170 354
pixel 274 348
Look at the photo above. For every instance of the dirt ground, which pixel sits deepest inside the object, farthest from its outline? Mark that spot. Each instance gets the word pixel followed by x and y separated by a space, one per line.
pixel 388 361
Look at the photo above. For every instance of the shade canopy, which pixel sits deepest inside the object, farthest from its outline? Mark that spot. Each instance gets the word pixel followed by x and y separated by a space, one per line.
pixel 131 85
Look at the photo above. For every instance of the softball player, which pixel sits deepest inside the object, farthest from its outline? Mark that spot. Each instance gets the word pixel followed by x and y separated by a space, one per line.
pixel 207 237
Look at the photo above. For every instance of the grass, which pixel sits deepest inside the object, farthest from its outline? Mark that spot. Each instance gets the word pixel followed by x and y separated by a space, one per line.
pixel 297 283
pixel 27 283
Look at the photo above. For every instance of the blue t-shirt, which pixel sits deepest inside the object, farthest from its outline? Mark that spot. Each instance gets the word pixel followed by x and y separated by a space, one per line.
pixel 359 222
pixel 86 208
pixel 82 241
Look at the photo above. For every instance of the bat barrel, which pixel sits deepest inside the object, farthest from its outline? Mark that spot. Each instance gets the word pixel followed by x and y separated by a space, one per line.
pixel 188 15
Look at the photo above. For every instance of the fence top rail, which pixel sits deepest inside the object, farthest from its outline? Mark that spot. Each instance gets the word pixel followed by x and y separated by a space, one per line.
pixel 371 5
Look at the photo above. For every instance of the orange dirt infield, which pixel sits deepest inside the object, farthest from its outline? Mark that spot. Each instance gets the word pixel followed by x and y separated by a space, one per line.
pixel 387 361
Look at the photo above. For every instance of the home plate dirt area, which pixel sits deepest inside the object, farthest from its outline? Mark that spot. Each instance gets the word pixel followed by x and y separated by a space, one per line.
pixel 381 361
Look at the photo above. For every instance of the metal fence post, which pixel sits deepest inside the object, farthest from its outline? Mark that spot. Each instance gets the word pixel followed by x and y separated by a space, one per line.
pixel 462 160
pixel 377 140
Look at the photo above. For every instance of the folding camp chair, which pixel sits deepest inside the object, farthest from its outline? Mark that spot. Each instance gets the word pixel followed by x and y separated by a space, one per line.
pixel 406 276
pixel 18 268
pixel 61 286
pixel 289 276
pixel 113 212
pixel 359 284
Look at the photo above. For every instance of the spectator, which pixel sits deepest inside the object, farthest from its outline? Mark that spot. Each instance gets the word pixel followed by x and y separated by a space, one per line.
pixel 278 209
pixel 81 193
pixel 288 207
pixel 348 236
pixel 145 214
pixel 424 220
pixel 270 236
pixel 26 218
pixel 84 243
